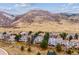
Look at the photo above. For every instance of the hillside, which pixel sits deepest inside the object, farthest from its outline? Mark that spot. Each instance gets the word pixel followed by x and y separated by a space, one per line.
pixel 40 20
pixel 6 19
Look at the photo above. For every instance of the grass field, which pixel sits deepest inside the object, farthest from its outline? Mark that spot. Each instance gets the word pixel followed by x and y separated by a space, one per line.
pixel 46 27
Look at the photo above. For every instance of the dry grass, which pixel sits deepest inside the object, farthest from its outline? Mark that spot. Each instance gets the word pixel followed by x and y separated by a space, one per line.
pixel 45 26
pixel 14 49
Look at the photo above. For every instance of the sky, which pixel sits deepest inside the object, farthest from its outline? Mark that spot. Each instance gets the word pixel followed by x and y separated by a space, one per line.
pixel 20 8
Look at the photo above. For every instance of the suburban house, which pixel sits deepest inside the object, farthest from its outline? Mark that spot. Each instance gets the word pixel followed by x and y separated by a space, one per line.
pixel 6 36
pixel 70 35
pixel 59 40
pixel 52 41
pixel 38 39
pixel 12 38
pixel 24 33
pixel 24 38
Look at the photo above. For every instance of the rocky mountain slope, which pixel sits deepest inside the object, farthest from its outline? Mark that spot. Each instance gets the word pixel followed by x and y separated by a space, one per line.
pixel 40 16
pixel 37 16
pixel 6 19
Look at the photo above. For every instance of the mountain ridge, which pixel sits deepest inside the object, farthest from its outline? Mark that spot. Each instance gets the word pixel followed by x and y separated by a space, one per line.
pixel 38 16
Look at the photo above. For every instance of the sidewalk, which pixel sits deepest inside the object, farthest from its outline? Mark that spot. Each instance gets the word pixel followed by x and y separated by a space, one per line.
pixel 3 52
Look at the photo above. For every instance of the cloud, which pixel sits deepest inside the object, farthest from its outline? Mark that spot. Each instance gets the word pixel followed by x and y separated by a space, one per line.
pixel 9 8
pixel 22 5
pixel 69 7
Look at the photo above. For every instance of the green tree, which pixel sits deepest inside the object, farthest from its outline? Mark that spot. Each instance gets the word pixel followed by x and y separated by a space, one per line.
pixel 30 32
pixel 44 43
pixel 58 48
pixel 37 33
pixel 17 37
pixel 70 37
pixel 76 36
pixel 63 35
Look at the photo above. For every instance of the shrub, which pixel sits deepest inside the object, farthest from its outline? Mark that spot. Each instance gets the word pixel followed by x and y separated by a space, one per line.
pixel 70 37
pixel 69 51
pixel 58 47
pixel 29 49
pixel 30 32
pixel 36 34
pixel 76 36
pixel 78 52
pixel 4 32
pixel 38 53
pixel 17 37
pixel 63 35
pixel 22 48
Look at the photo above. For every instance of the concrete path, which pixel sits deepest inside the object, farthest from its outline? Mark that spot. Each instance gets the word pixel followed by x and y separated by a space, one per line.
pixel 3 52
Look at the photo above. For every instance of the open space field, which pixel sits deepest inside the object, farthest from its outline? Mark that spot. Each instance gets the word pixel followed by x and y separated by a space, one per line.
pixel 46 27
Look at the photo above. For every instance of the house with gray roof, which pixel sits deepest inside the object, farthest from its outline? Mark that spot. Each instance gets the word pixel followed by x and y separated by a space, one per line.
pixel 38 39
